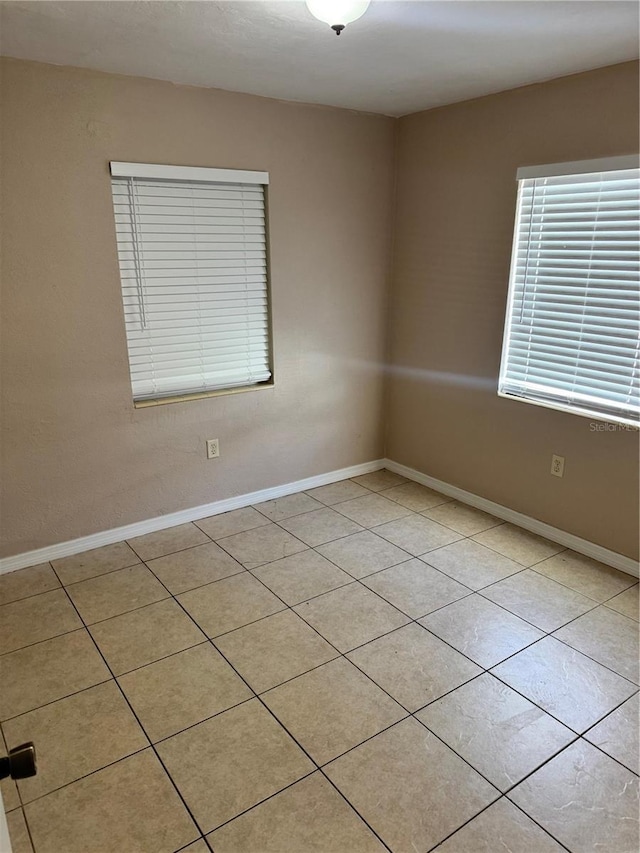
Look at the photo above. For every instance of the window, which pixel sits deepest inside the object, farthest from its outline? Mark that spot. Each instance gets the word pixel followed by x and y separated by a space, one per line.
pixel 572 332
pixel 192 248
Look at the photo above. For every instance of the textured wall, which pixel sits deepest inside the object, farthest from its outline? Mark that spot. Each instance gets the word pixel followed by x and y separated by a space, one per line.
pixel 454 227
pixel 77 457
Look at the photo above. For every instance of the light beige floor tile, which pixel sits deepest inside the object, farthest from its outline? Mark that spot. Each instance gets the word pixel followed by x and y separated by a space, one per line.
pixel 350 616
pixel 417 534
pixel 182 690
pixel 618 734
pixel 167 541
pixel 230 523
pixel 301 576
pixel 363 553
pixel 462 518
pixel 309 816
pixel 197 847
pixel 320 526
pixel 500 733
pixel 585 799
pixel 194 567
pixel 572 687
pixel 626 603
pixel 118 592
pixel 472 564
pixel 130 805
pixel 415 588
pixel 230 603
pixel 413 666
pixel 371 509
pixel 288 506
pixel 501 827
pixel 539 600
pixel 591 578
pixel 274 650
pixel 75 736
pixel 18 833
pixel 145 635
pixel 481 630
pixel 98 561
pixel 332 708
pixel 26 582
pixel 379 480
pixel 335 493
pixel 518 544
pixel 409 787
pixel 31 620
pixel 48 671
pixel 262 545
pixel 232 762
pixel 608 637
pixel 8 788
pixel 415 497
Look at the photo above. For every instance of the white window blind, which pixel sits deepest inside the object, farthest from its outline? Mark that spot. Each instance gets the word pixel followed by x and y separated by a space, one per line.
pixel 572 332
pixel 192 248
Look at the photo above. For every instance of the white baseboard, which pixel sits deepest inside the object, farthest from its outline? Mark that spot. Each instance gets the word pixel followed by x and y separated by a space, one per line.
pixel 151 525
pixel 582 546
pixel 129 531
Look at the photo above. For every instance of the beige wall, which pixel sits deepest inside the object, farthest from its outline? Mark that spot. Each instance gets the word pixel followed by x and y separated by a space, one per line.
pixel 456 203
pixel 77 457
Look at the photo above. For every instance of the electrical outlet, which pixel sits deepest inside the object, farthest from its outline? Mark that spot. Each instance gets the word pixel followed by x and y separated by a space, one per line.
pixel 557 465
pixel 213 448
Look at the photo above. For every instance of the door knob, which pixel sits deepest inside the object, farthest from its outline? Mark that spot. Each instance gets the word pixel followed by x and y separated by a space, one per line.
pixel 20 763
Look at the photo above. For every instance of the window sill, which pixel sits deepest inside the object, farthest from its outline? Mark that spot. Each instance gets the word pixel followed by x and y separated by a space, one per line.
pixel 621 423
pixel 200 395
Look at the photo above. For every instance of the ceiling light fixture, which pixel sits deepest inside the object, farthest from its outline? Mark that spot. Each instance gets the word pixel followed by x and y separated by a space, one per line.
pixel 337 13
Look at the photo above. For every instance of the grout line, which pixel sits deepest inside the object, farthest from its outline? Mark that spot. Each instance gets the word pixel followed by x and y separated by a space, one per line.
pixel 604 665
pixel 59 699
pixel 572 589
pixel 226 535
pixel 266 799
pixel 80 627
pixel 436 847
pixel 608 754
pixel 186 846
pixel 26 823
pixel 241 569
pixel 31 594
pixel 169 553
pixel 86 775
pixel 537 823
pixel 138 562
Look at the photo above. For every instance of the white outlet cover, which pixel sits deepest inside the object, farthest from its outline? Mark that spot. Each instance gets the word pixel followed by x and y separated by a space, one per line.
pixel 557 465
pixel 213 448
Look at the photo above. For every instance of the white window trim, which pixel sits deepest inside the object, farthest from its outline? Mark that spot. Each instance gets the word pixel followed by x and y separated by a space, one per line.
pixel 187 173
pixel 579 167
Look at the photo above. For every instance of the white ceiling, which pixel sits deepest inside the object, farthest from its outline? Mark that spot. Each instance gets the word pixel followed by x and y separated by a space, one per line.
pixel 399 58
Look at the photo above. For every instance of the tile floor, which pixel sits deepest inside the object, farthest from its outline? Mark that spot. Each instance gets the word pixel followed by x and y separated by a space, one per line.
pixel 368 666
